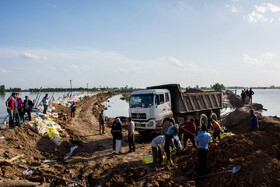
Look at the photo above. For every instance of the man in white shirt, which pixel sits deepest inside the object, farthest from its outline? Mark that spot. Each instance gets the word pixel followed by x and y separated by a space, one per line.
pixel 131 129
pixel 158 149
pixel 45 103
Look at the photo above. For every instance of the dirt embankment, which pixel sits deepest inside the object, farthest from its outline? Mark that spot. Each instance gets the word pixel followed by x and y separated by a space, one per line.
pixel 92 163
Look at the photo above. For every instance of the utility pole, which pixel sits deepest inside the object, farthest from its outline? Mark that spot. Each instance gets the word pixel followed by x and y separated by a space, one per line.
pixel 87 85
pixel 71 87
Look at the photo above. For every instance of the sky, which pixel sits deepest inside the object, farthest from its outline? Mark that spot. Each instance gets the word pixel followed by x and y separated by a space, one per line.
pixel 139 43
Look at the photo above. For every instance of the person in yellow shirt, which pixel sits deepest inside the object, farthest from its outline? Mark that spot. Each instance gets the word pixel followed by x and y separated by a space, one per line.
pixel 216 128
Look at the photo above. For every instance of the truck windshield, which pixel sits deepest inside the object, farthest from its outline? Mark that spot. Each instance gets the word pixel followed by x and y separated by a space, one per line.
pixel 143 100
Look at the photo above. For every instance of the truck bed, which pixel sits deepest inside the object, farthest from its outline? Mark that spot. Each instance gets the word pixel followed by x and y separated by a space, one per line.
pixel 191 102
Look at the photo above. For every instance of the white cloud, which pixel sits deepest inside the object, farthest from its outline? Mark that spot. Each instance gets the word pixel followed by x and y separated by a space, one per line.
pixel 3 70
pixel 232 8
pixel 266 60
pixel 31 56
pixel 266 12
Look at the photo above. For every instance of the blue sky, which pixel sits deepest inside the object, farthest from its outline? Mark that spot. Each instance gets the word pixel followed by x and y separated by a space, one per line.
pixel 139 43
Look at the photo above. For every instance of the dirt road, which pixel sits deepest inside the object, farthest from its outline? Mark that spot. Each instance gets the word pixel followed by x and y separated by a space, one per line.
pixel 93 159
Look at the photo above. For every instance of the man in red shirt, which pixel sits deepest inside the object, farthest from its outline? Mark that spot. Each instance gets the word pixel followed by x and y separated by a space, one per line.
pixel 189 130
pixel 10 103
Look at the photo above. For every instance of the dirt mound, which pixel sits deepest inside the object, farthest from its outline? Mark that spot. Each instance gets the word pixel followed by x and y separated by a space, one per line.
pixel 235 100
pixel 193 90
pixel 238 121
pixel 258 154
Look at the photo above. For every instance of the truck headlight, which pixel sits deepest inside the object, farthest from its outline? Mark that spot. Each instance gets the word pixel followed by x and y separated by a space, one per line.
pixel 150 124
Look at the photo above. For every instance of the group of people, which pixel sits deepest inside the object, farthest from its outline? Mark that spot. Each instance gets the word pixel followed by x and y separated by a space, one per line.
pixel 117 131
pixel 247 95
pixel 198 136
pixel 17 108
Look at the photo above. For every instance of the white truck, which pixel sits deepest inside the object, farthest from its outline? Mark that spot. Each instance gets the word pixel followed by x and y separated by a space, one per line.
pixel 156 108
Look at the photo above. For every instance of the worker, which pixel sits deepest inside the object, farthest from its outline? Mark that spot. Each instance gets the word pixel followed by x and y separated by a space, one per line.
pixel 250 94
pixel 254 126
pixel 216 128
pixel 168 141
pixel 176 141
pixel 45 101
pixel 189 130
pixel 73 109
pixel 118 136
pixel 158 149
pixel 101 122
pixel 202 140
pixel 131 129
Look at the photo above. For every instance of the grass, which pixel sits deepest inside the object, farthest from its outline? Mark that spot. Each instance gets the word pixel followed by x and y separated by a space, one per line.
pixel 126 96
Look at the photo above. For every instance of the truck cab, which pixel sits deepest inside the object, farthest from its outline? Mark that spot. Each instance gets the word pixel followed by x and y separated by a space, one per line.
pixel 148 108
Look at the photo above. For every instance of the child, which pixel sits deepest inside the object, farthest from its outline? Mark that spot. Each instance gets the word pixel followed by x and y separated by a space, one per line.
pixel 73 108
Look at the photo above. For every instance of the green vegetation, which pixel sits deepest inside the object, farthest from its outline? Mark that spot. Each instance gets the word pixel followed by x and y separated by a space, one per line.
pixel 218 87
pixel 126 96
pixel 2 88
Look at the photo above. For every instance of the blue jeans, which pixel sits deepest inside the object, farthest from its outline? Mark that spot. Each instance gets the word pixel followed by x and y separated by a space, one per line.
pixel 45 109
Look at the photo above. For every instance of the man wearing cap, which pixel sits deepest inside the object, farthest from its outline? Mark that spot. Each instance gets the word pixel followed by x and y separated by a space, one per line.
pixel 176 141
pixel 202 140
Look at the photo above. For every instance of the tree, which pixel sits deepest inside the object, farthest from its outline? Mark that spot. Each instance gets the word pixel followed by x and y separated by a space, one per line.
pixel 218 87
pixel 2 88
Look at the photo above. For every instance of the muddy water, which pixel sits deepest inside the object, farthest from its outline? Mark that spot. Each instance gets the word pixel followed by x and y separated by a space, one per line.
pixel 116 107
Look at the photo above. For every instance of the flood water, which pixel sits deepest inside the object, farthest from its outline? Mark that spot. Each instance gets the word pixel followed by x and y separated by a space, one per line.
pixel 116 107
pixel 269 98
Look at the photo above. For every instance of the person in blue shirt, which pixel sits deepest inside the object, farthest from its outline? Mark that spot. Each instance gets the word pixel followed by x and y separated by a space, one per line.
pixel 73 108
pixel 168 141
pixel 176 137
pixel 254 126
pixel 202 140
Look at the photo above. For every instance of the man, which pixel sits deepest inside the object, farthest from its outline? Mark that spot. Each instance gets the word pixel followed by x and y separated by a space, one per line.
pixel 16 111
pixel 254 126
pixel 176 141
pixel 101 122
pixel 243 96
pixel 45 103
pixel 118 136
pixel 158 149
pixel 131 128
pixel 189 130
pixel 10 104
pixel 250 94
pixel 202 140
pixel 216 128
pixel 113 134
pixel 73 109
pixel 19 107
pixel 27 107
pixel 168 141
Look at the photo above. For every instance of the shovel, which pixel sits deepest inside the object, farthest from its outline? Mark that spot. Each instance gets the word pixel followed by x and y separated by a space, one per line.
pixel 235 169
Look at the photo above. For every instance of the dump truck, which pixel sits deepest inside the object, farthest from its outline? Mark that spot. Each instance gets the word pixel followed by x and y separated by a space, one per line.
pixel 156 108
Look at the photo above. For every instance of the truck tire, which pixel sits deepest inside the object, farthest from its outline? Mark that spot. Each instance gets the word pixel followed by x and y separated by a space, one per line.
pixel 203 120
pixel 165 125
pixel 214 116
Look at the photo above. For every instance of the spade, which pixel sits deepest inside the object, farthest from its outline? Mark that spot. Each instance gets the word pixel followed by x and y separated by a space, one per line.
pixel 235 169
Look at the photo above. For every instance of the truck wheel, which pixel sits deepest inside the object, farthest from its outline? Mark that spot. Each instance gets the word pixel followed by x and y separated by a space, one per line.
pixel 214 116
pixel 203 120
pixel 165 125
